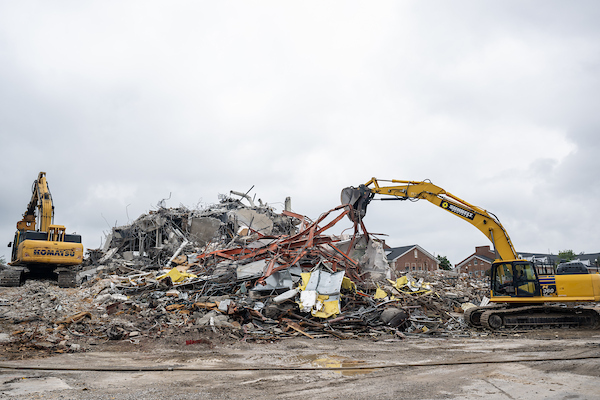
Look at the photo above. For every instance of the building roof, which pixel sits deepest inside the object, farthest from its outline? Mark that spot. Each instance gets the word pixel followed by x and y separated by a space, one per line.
pixel 592 257
pixel 553 258
pixel 394 253
pixel 472 256
pixel 543 257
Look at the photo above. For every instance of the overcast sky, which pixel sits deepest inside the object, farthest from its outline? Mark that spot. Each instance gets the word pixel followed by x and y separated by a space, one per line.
pixel 124 103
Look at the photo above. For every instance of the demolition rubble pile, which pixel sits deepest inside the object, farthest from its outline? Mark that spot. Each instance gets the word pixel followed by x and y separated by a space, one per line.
pixel 239 272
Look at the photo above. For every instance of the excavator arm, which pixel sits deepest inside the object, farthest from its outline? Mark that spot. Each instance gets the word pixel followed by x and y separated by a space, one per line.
pixel 41 199
pixel 487 223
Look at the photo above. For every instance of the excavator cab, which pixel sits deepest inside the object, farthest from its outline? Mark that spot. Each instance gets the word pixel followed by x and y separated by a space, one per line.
pixel 514 279
pixel 56 233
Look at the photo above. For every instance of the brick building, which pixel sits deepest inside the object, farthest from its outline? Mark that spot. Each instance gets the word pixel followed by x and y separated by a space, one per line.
pixel 410 258
pixel 477 263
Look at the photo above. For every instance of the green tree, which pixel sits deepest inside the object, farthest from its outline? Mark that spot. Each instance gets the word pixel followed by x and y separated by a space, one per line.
pixel 567 255
pixel 444 263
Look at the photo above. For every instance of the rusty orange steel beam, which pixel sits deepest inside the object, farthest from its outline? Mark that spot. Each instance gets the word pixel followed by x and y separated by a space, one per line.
pixel 290 250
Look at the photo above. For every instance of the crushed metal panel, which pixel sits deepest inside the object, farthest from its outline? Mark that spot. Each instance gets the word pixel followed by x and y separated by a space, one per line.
pixel 321 293
pixel 276 281
pixel 327 307
pixel 308 300
pixel 325 282
pixel 251 270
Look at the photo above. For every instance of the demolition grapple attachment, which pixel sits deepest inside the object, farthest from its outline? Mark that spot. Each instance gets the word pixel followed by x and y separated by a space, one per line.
pixel 358 198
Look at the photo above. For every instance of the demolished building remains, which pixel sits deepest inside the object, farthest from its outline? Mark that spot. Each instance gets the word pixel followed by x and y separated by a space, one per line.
pixel 249 273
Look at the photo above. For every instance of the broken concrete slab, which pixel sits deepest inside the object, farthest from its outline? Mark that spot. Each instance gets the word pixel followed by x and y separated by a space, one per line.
pixel 253 220
pixel 204 230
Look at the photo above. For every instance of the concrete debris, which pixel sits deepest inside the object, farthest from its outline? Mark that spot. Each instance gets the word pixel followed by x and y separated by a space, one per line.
pixel 233 271
pixel 157 238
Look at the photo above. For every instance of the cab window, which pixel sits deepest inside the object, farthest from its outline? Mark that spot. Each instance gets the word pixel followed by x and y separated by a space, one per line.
pixel 516 279
pixel 503 282
pixel 525 279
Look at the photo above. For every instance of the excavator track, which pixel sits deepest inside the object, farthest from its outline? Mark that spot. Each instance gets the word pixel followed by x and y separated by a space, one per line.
pixel 472 315
pixel 531 317
pixel 12 277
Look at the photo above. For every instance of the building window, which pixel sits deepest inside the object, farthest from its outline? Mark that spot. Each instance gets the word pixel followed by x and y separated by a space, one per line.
pixel 407 266
pixel 474 262
pixel 416 254
pixel 414 266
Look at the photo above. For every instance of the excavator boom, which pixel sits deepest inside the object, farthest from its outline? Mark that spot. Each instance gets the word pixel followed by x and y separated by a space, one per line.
pixel 42 200
pixel 487 223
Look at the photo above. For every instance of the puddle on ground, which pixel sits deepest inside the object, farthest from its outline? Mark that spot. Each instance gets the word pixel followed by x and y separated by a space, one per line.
pixel 333 362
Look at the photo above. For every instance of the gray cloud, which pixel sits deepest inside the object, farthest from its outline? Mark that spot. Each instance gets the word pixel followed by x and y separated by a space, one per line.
pixel 123 104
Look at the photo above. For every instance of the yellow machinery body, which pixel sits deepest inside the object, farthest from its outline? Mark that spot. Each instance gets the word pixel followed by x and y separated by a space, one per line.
pixel 53 248
pixel 535 289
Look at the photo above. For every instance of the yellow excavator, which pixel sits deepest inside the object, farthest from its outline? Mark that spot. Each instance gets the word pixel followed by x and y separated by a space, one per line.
pixel 518 296
pixel 39 246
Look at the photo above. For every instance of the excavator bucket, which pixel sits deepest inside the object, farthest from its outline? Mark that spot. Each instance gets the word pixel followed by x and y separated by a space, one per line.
pixel 358 198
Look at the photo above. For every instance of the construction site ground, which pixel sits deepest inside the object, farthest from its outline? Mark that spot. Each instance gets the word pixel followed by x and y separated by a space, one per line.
pixel 549 365
pixel 213 364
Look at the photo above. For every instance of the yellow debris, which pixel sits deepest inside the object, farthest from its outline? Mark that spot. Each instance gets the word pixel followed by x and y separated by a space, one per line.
pixel 176 275
pixel 348 284
pixel 329 309
pixel 380 294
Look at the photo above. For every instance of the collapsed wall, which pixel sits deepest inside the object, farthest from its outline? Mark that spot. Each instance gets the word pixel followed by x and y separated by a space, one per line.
pixel 155 238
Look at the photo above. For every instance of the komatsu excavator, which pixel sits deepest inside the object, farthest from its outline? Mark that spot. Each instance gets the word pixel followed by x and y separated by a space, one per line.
pixel 39 245
pixel 518 296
